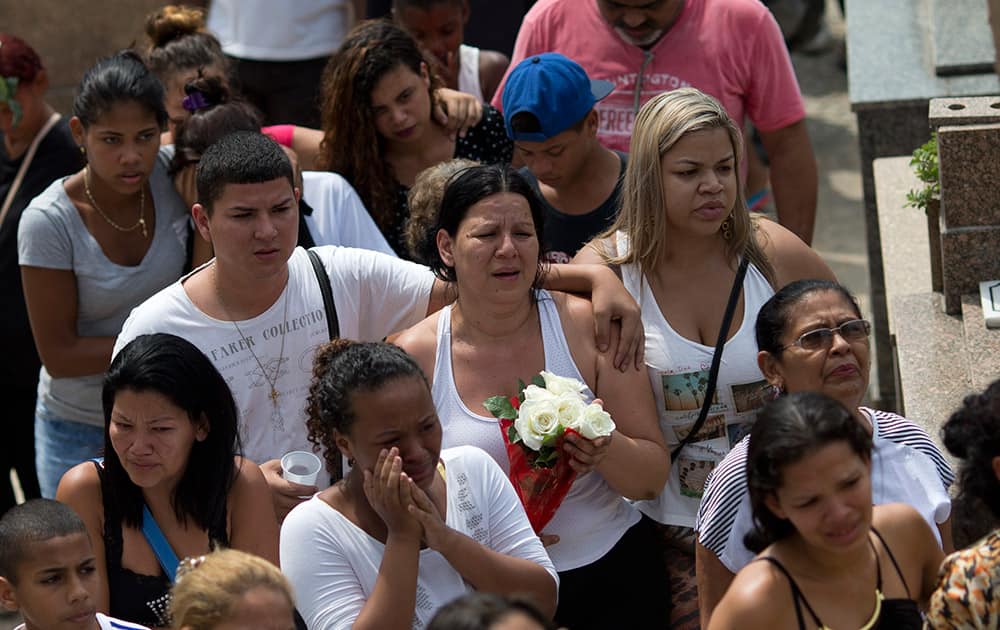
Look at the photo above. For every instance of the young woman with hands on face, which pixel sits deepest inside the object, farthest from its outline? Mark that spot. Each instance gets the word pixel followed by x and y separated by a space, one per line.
pixel 411 527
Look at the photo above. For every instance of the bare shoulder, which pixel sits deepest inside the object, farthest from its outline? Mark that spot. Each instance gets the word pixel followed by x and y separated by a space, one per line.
pixel 420 342
pixel 492 66
pixel 740 607
pixel 791 258
pixel 899 521
pixel 595 251
pixel 80 488
pixel 250 490
pixel 249 476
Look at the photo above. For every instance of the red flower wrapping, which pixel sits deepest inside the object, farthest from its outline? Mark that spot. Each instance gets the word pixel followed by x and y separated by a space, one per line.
pixel 541 490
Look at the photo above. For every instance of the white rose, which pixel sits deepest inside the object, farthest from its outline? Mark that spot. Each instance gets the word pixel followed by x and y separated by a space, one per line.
pixel 569 408
pixel 534 392
pixel 594 422
pixel 560 385
pixel 536 421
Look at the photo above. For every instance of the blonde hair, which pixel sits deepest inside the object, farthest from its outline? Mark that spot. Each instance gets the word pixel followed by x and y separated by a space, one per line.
pixel 209 588
pixel 661 123
pixel 424 200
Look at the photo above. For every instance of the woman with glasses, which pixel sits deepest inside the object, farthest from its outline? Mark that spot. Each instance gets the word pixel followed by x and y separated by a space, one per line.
pixel 812 339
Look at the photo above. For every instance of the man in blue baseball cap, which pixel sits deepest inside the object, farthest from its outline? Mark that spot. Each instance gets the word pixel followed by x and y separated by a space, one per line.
pixel 548 105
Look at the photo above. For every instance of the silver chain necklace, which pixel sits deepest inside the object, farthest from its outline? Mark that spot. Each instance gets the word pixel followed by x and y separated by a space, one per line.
pixel 277 419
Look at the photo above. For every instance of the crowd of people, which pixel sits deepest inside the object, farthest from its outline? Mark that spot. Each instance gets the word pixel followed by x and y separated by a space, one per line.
pixel 239 247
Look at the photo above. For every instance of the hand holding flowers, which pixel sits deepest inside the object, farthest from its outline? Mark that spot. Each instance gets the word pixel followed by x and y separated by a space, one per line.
pixel 552 435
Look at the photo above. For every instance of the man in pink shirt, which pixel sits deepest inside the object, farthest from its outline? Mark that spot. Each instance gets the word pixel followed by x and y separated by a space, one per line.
pixel 731 49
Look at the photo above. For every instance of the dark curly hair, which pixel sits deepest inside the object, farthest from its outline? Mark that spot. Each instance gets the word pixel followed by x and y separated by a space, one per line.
pixel 464 189
pixel 972 434
pixel 351 145
pixel 341 368
pixel 786 430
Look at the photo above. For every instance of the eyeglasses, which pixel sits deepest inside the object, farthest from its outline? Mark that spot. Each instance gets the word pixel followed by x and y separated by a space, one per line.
pixel 822 338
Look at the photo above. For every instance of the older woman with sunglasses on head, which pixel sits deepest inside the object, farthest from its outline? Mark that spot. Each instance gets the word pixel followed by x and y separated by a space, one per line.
pixel 811 337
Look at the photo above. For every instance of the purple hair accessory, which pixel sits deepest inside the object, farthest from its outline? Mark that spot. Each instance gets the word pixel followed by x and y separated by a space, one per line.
pixel 194 101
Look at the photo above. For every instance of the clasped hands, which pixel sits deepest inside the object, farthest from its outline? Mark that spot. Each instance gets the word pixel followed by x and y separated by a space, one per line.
pixel 403 505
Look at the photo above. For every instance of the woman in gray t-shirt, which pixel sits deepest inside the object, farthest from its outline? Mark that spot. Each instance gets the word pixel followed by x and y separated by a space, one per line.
pixel 93 246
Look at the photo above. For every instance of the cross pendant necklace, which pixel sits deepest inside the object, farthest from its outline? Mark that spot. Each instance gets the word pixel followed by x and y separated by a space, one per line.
pixel 277 420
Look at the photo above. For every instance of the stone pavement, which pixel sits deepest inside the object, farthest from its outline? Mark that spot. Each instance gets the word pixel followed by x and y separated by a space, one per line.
pixel 840 225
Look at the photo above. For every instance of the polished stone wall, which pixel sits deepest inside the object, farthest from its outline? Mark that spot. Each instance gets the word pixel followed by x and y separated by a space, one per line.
pixel 71 35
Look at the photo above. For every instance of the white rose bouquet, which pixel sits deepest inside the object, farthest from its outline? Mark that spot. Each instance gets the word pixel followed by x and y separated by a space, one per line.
pixel 534 424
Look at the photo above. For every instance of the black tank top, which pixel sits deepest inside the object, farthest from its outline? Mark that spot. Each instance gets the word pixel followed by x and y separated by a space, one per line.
pixel 890 614
pixel 142 599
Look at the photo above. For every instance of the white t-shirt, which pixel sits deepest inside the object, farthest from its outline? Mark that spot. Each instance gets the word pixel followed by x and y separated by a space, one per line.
pixel 108 623
pixel 333 564
pixel 280 31
pixel 339 217
pixel 907 467
pixel 374 295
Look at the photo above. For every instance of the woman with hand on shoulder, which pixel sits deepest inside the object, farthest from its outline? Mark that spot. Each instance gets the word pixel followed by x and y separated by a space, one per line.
pixel 37 148
pixel 378 93
pixel 966 595
pixel 828 559
pixel 412 526
pixel 502 328
pixel 812 339
pixel 91 248
pixel 171 446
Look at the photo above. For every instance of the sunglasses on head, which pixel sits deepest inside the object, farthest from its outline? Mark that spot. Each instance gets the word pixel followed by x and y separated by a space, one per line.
pixel 822 338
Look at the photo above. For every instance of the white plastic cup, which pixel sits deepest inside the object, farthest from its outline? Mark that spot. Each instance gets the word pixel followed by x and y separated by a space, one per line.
pixel 301 467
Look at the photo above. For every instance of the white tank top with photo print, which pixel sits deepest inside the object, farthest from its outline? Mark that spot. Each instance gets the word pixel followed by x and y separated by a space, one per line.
pixel 678 371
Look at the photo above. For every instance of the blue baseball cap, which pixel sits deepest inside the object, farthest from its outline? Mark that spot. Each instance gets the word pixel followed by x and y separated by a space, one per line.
pixel 554 89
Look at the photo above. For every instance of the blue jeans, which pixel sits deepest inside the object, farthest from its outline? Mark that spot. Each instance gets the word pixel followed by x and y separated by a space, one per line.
pixel 61 444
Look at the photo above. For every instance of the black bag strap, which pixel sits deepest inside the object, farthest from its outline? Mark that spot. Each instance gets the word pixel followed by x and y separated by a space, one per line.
pixel 332 323
pixel 713 373
pixel 333 327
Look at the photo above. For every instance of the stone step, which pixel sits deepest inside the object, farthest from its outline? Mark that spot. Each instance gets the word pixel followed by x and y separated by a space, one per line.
pixel 982 345
pixel 932 372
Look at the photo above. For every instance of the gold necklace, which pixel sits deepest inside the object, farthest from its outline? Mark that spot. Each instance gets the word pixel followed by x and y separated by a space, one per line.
pixel 141 223
pixel 277 419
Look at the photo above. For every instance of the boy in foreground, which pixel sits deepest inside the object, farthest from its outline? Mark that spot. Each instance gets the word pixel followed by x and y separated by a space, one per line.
pixel 48 570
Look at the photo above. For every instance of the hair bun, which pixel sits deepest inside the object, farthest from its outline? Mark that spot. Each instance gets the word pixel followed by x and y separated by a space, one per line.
pixel 173 22
pixel 213 89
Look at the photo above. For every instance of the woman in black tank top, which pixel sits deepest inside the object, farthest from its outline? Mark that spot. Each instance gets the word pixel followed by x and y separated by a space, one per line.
pixel 171 444
pixel 826 555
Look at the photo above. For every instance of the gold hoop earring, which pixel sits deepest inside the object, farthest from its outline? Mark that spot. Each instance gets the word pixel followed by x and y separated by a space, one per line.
pixel 727 228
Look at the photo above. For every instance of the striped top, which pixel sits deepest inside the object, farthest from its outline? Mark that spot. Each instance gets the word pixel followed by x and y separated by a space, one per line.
pixel 907 467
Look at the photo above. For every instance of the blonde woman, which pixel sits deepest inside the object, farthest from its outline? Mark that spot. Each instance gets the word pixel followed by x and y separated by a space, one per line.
pixel 230 589
pixel 679 241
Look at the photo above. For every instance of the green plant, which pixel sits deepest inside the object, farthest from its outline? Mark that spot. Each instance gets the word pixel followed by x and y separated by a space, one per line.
pixel 925 166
